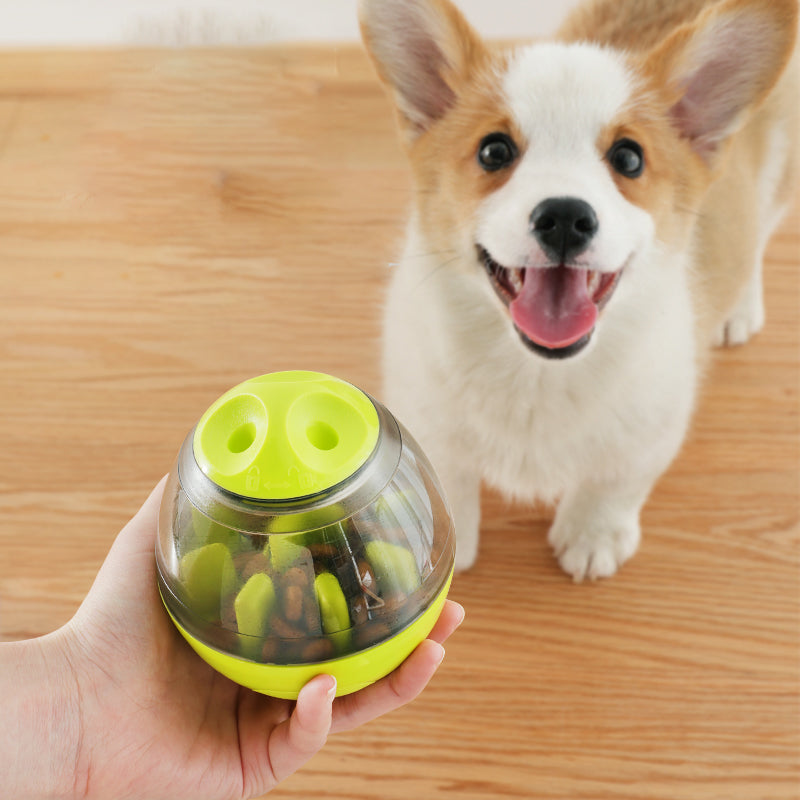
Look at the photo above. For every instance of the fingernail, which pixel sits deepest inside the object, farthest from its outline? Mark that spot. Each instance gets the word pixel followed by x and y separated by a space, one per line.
pixel 332 691
pixel 463 613
pixel 439 655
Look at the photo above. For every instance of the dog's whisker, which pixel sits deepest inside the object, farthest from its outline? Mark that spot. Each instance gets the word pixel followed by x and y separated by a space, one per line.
pixel 436 270
pixel 432 253
pixel 687 210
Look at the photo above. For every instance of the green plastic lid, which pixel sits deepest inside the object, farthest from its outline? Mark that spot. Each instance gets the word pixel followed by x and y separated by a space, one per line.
pixel 286 435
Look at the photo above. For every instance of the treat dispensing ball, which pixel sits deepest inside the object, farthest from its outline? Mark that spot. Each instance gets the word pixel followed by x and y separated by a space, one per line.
pixel 302 531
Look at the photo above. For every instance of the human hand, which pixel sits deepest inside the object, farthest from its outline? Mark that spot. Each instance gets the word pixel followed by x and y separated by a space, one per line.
pixel 139 715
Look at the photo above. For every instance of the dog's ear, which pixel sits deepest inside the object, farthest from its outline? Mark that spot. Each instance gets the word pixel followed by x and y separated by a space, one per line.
pixel 719 68
pixel 425 50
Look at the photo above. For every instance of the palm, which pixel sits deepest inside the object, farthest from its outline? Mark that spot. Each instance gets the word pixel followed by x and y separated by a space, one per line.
pixel 179 734
pixel 216 731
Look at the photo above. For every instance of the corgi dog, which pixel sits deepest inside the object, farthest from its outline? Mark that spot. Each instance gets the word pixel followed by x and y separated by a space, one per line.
pixel 589 219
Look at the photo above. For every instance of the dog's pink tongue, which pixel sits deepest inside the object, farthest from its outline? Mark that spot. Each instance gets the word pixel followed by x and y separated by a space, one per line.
pixel 554 309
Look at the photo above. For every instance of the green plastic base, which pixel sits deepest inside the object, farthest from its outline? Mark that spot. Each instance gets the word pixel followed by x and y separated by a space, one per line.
pixel 352 672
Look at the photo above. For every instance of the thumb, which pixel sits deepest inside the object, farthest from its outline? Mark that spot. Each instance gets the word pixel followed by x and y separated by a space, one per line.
pixel 128 571
pixel 139 534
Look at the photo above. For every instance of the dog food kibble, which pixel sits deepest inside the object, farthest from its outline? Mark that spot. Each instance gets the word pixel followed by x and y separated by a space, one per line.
pixel 252 564
pixel 318 650
pixel 293 602
pixel 302 598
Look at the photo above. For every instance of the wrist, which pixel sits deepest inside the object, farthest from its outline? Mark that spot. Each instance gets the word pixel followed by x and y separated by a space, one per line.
pixel 40 748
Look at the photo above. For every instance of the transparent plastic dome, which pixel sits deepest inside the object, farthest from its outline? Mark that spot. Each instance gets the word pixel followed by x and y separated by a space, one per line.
pixel 302 580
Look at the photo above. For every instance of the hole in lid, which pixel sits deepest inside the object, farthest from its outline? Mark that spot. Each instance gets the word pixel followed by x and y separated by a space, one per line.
pixel 322 436
pixel 242 438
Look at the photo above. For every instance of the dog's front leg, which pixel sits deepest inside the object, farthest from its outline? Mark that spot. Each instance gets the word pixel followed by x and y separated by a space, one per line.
pixel 460 478
pixel 445 445
pixel 462 487
pixel 596 528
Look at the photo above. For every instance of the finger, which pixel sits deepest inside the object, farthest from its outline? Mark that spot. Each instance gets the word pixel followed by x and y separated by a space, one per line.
pixel 451 617
pixel 295 740
pixel 405 683
pixel 389 693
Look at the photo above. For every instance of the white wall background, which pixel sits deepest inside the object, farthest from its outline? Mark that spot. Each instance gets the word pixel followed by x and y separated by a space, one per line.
pixel 206 22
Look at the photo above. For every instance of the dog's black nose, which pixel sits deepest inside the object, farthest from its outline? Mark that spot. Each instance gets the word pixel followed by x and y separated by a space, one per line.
pixel 563 226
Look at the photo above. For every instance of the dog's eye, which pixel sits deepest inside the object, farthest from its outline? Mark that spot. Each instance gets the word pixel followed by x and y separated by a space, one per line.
pixel 497 150
pixel 627 158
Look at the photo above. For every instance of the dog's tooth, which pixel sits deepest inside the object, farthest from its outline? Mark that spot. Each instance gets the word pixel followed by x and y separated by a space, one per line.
pixel 593 281
pixel 515 279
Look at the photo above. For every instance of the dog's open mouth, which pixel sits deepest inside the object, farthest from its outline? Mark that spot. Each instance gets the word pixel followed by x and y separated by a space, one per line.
pixel 554 309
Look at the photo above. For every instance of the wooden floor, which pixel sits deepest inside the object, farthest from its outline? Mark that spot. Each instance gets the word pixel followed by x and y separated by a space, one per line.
pixel 172 223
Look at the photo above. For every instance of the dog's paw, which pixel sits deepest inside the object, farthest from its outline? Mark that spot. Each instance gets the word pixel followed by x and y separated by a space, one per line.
pixel 593 549
pixel 739 329
pixel 466 552
pixel 746 320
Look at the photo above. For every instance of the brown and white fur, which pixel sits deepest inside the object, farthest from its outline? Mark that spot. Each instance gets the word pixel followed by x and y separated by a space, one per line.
pixel 560 360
